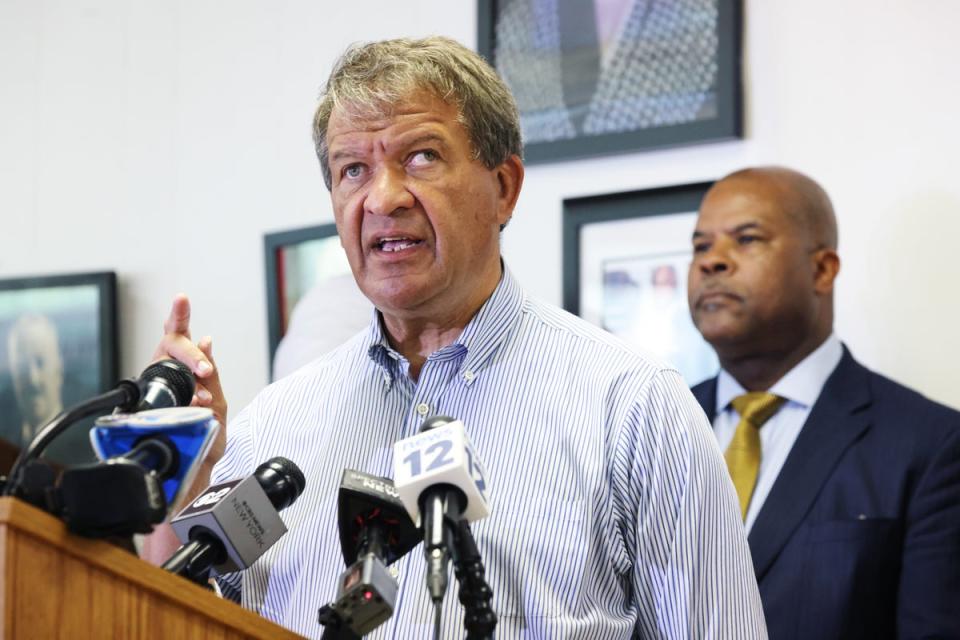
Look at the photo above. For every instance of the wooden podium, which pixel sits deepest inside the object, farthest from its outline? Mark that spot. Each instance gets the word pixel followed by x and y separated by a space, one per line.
pixel 57 585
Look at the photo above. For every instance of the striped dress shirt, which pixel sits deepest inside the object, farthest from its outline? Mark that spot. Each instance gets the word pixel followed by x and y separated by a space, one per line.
pixel 612 513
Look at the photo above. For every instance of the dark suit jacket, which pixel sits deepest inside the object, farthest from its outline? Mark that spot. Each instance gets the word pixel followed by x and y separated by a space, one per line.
pixel 860 534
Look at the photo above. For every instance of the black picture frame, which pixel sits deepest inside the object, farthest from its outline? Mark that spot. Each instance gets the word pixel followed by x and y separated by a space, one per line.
pixel 621 251
pixel 719 116
pixel 58 345
pixel 284 289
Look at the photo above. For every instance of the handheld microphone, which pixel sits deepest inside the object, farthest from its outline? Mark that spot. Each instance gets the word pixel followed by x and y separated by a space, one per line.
pixel 232 524
pixel 440 481
pixel 375 531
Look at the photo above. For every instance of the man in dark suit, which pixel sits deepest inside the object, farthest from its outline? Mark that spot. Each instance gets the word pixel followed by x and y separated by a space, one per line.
pixel 849 483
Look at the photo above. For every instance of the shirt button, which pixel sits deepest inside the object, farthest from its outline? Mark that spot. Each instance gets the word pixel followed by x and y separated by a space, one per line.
pixel 468 375
pixel 423 408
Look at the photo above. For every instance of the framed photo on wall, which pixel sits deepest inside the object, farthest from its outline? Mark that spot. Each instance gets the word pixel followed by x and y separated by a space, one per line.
pixel 625 262
pixel 58 346
pixel 300 262
pixel 610 76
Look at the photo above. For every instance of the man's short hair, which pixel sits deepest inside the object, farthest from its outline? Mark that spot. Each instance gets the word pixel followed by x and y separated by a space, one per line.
pixel 370 79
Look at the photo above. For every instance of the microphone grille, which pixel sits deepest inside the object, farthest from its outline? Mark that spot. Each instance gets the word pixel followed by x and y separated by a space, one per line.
pixel 177 375
pixel 282 481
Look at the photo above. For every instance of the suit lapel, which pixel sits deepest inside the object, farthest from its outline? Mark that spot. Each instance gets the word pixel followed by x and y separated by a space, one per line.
pixel 837 419
pixel 706 395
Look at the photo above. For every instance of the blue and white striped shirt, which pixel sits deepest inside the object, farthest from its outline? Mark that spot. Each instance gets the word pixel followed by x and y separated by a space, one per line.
pixel 612 513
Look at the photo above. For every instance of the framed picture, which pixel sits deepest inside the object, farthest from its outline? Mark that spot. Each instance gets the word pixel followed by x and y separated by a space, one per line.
pixel 298 261
pixel 625 262
pixel 58 346
pixel 602 77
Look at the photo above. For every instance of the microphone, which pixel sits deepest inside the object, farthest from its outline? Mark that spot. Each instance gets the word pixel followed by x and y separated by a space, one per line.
pixel 232 524
pixel 440 481
pixel 165 383
pixel 149 459
pixel 375 531
pixel 172 441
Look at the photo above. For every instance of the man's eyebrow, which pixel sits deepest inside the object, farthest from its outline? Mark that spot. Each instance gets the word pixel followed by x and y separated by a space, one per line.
pixel 343 152
pixel 737 229
pixel 350 151
pixel 745 226
pixel 425 138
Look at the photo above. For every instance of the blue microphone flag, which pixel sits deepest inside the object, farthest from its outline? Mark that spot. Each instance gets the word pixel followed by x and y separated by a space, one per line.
pixel 191 429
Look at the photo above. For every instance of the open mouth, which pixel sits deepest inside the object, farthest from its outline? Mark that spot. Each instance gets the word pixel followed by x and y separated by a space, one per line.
pixel 393 244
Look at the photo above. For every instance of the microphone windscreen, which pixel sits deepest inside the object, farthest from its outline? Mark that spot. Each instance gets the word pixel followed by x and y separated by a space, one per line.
pixel 282 481
pixel 177 377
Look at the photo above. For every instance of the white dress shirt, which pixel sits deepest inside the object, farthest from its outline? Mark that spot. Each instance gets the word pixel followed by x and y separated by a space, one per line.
pixel 801 387
pixel 612 516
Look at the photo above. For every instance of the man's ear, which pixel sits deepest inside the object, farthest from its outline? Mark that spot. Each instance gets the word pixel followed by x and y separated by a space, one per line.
pixel 826 264
pixel 510 179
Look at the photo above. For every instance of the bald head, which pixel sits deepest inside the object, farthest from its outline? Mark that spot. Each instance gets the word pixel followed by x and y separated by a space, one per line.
pixel 799 196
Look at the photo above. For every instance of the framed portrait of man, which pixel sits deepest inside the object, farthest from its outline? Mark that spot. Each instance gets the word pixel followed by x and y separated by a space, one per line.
pixel 58 346
pixel 594 77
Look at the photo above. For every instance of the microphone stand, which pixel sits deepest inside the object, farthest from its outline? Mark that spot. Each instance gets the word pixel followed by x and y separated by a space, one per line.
pixel 478 617
pixel 194 560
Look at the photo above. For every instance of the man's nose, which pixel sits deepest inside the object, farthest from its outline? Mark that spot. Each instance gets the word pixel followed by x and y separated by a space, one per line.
pixel 714 260
pixel 388 193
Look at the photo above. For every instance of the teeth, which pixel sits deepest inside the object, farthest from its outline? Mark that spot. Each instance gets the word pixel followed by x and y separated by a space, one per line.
pixel 398 243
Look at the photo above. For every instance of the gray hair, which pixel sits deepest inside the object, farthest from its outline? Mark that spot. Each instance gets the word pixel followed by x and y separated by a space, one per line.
pixel 369 79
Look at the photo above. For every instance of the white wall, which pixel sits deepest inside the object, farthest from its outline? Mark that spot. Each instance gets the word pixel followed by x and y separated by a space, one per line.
pixel 162 139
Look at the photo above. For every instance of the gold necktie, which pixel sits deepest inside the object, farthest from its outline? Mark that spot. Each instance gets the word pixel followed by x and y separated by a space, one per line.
pixel 743 453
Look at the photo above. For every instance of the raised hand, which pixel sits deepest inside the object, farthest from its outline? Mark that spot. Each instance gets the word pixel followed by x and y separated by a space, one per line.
pixel 177 343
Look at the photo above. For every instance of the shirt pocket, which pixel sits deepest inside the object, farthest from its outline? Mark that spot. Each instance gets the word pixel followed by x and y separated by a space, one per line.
pixel 535 556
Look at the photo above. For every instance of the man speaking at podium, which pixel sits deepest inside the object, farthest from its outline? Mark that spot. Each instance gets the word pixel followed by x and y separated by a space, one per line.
pixel 612 516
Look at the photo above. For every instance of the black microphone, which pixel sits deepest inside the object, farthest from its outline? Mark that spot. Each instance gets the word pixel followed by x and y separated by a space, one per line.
pixel 148 460
pixel 165 383
pixel 120 496
pixel 230 525
pixel 375 531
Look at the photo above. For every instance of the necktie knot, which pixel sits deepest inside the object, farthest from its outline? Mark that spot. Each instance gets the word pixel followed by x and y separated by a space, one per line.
pixel 756 407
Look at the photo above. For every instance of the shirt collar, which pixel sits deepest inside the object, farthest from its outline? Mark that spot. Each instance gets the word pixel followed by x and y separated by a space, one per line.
pixel 484 333
pixel 801 385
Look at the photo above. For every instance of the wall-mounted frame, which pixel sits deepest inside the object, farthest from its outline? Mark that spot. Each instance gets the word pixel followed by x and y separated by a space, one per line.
pixel 58 346
pixel 633 75
pixel 296 261
pixel 625 262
